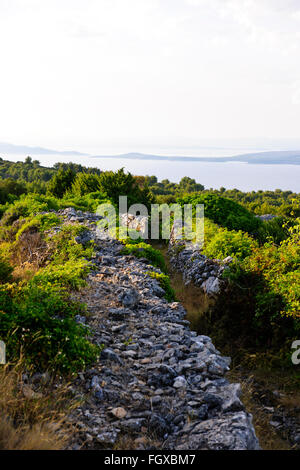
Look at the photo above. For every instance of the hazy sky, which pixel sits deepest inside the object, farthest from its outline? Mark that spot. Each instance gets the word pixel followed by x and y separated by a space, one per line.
pixel 82 73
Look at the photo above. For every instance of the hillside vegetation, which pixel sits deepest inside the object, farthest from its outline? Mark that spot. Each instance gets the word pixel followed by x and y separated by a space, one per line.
pixel 39 267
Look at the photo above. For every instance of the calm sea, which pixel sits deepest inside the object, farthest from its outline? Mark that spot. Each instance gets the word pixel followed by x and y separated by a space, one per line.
pixel 212 175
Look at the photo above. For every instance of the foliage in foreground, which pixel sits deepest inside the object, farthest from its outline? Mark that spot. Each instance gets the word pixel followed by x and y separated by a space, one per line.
pixel 260 309
pixel 279 269
pixel 38 322
pixel 36 314
pixel 29 420
pixel 220 242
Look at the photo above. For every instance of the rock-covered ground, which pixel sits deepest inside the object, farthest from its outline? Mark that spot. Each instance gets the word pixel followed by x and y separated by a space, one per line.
pixel 157 384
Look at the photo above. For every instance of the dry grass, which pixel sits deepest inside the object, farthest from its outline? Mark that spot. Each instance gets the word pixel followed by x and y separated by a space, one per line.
pixel 30 420
pixel 266 434
pixel 194 300
pixel 28 254
pixel 291 400
pixel 25 272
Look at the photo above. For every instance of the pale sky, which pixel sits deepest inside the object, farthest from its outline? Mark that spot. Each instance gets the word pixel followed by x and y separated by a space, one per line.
pixel 79 74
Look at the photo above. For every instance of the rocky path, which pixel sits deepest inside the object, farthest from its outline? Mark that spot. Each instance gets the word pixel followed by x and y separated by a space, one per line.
pixel 158 385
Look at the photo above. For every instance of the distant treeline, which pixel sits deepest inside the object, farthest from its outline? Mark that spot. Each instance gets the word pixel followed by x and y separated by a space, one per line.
pixel 31 177
pixel 276 202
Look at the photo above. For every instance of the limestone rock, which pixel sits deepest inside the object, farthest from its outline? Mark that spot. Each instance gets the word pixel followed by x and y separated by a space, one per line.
pixel 212 286
pixel 119 412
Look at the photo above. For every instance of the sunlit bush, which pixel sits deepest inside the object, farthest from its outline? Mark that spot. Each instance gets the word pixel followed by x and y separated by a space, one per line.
pixel 37 323
pixel 143 250
pixel 224 212
pixel 164 282
pixel 225 243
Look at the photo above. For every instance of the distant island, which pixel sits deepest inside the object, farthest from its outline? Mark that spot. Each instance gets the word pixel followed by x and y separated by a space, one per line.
pixel 281 157
pixel 285 157
pixel 6 148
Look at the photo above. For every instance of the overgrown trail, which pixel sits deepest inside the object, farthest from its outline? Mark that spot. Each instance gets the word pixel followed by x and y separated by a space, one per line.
pixel 267 395
pixel 158 384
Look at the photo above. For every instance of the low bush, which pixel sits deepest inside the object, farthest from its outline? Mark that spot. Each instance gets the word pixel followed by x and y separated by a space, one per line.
pixel 37 323
pixel 37 316
pixel 87 202
pixel 274 229
pixel 164 282
pixel 224 212
pixel 5 270
pixel 279 267
pixel 69 274
pixel 64 247
pixel 29 205
pixel 41 222
pixel 143 250
pixel 261 307
pixel 223 243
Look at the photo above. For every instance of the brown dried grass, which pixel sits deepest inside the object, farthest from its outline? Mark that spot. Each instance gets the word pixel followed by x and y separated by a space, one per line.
pixel 32 421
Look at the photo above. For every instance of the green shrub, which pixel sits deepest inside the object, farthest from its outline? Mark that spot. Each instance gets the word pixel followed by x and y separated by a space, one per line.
pixel 41 222
pixel 69 259
pixel 279 267
pixel 164 282
pixel 143 250
pixel 129 240
pixel 38 324
pixel 65 248
pixel 36 318
pixel 229 243
pixel 5 270
pixel 85 183
pixel 61 182
pixel 224 212
pixel 88 202
pixel 270 277
pixel 29 205
pixel 68 274
pixel 273 229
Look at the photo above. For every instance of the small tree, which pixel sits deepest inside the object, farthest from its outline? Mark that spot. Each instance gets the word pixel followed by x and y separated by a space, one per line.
pixel 85 183
pixel 8 187
pixel 122 184
pixel 189 185
pixel 61 182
